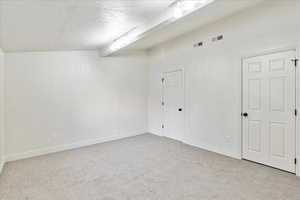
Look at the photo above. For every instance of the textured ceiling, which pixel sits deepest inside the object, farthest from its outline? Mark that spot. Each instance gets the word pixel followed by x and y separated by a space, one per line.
pixel 40 25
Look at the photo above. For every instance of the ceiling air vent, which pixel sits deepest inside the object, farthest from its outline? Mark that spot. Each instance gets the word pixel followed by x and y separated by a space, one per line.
pixel 220 37
pixel 199 44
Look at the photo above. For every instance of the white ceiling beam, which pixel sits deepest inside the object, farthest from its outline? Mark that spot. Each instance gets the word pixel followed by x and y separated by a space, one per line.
pixel 178 10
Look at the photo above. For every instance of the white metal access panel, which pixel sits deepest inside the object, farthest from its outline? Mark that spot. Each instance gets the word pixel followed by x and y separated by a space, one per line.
pixel 269 115
pixel 173 104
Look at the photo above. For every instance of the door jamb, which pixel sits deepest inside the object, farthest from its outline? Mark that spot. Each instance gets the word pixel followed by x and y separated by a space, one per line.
pixel 297 117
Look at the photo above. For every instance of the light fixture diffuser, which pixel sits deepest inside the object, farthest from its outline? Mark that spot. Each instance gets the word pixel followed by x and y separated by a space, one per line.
pixel 184 7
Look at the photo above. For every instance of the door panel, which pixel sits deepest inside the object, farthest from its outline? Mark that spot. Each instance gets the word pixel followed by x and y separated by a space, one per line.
pixel 254 136
pixel 173 98
pixel 254 94
pixel 277 94
pixel 269 100
pixel 277 139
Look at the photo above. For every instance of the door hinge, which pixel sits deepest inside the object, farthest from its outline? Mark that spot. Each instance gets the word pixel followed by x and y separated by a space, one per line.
pixel 162 126
pixel 163 79
pixel 296 112
pixel 162 103
pixel 295 161
pixel 295 61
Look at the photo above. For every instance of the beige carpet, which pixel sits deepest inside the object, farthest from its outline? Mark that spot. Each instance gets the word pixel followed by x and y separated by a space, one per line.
pixel 145 167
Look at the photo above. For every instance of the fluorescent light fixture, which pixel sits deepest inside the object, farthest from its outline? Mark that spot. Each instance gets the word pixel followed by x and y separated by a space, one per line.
pixel 189 5
pixel 178 9
pixel 184 7
pixel 123 41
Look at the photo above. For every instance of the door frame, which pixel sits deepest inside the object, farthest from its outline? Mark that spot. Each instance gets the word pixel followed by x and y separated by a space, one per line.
pixel 162 100
pixel 298 118
pixel 297 100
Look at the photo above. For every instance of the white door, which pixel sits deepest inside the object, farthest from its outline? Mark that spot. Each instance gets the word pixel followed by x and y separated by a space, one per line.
pixel 173 104
pixel 269 98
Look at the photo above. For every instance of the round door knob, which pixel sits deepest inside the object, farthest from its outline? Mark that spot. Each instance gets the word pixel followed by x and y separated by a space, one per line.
pixel 245 114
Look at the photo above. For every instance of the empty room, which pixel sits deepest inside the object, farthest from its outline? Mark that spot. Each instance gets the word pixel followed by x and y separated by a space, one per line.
pixel 149 100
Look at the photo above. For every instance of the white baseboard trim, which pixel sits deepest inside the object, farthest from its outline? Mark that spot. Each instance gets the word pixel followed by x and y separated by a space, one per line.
pixel 1 165
pixel 207 148
pixel 59 148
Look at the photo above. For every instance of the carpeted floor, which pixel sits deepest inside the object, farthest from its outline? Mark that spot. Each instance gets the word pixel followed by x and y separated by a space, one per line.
pixel 145 167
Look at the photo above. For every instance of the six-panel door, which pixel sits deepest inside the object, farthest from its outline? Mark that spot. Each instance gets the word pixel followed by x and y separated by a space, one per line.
pixel 269 100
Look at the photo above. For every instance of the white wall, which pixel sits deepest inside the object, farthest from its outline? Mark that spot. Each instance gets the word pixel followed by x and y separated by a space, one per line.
pixel 213 72
pixel 57 100
pixel 1 110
